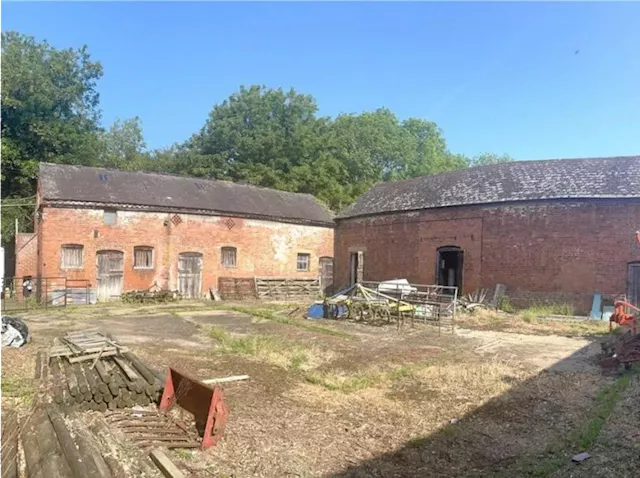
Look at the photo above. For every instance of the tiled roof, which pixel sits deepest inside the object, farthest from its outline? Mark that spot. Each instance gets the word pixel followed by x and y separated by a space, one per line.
pixel 617 177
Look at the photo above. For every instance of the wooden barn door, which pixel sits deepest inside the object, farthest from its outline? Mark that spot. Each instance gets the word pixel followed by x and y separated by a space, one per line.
pixel 633 283
pixel 326 274
pixel 110 274
pixel 190 275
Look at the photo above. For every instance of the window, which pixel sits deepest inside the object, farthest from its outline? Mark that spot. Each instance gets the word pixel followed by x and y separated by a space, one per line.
pixel 143 257
pixel 72 256
pixel 303 262
pixel 229 256
pixel 109 217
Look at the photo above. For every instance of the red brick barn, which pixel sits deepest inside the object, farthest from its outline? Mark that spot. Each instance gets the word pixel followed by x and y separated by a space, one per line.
pixel 130 230
pixel 556 230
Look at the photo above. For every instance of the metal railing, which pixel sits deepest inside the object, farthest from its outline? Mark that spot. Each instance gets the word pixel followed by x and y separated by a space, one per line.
pixel 433 304
pixel 25 293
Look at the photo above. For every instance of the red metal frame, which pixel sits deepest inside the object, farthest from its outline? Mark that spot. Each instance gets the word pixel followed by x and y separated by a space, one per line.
pixel 204 402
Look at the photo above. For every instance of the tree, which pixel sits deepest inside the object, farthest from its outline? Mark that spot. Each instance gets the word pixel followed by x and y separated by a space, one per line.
pixel 489 158
pixel 49 112
pixel 124 145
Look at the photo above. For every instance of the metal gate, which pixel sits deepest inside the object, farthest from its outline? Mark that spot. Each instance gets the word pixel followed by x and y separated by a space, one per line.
pixel 633 283
pixel 110 274
pixel 190 275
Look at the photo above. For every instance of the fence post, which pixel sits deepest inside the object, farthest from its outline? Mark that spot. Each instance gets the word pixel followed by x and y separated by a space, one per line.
pixel 65 291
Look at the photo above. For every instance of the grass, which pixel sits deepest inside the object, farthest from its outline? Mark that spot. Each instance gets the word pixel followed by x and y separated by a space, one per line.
pixel 530 321
pixel 20 389
pixel 539 310
pixel 269 313
pixel 582 438
pixel 287 355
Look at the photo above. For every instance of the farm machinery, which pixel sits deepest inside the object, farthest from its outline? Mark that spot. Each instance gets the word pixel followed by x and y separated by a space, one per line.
pixel 626 348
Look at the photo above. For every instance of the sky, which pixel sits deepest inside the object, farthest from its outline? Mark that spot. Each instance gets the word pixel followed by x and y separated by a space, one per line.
pixel 533 80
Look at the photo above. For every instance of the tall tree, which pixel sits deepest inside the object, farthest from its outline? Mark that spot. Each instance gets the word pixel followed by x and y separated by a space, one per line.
pixel 49 109
pixel 124 145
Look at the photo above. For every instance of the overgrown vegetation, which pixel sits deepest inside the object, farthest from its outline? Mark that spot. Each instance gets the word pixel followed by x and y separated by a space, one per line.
pixel 284 354
pixel 530 322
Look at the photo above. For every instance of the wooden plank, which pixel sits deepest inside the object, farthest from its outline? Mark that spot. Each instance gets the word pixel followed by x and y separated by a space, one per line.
pixel 165 465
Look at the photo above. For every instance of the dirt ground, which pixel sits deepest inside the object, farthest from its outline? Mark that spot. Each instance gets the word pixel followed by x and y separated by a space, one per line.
pixel 343 399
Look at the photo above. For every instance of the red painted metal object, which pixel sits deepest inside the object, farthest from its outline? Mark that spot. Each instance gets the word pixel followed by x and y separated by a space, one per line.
pixel 204 402
pixel 621 317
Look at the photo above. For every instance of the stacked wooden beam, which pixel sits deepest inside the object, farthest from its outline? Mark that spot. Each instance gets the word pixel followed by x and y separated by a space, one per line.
pixel 114 378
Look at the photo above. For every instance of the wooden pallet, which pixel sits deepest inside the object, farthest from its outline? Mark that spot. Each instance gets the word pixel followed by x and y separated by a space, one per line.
pixel 85 345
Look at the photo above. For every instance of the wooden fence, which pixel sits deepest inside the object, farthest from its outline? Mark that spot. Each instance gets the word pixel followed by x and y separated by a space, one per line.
pixel 269 288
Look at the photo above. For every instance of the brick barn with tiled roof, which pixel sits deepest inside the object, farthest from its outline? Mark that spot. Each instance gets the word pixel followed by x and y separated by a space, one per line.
pixel 558 230
pixel 123 230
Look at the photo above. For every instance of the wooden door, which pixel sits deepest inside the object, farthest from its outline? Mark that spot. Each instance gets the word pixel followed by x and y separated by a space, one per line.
pixel 326 274
pixel 190 275
pixel 110 274
pixel 633 283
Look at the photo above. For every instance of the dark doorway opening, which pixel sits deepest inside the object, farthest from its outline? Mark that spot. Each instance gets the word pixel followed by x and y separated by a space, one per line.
pixel 449 267
pixel 356 267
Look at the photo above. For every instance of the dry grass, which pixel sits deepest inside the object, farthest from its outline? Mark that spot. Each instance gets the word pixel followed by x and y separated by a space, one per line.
pixel 285 354
pixel 528 322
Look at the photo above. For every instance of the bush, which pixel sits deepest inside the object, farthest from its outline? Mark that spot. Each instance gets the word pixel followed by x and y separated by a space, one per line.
pixel 505 305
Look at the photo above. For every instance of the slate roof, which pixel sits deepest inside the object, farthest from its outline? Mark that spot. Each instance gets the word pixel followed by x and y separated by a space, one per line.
pixel 88 186
pixel 506 182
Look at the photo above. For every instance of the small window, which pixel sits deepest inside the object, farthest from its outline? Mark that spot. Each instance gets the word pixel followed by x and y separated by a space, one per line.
pixel 303 262
pixel 72 256
pixel 229 256
pixel 143 257
pixel 110 217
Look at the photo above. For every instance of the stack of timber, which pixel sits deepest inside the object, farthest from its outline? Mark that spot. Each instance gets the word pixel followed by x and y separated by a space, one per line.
pixel 91 371
pixel 9 452
pixel 64 447
pixel 275 288
pixel 237 288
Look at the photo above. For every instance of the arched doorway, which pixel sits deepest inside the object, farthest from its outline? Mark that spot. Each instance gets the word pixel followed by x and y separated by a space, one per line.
pixel 449 266
pixel 190 274
pixel 110 274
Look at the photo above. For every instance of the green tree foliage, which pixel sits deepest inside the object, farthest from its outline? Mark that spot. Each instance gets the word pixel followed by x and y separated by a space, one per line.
pixel 489 158
pixel 123 145
pixel 49 109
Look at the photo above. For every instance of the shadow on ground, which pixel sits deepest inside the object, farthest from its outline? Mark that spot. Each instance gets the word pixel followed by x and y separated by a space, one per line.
pixel 534 429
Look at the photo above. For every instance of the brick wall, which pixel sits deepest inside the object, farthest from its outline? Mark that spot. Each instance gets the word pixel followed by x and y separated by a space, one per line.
pixel 26 255
pixel 264 248
pixel 569 249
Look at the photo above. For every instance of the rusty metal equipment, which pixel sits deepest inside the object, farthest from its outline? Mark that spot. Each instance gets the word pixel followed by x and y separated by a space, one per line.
pixel 147 429
pixel 621 317
pixel 204 402
pixel 624 351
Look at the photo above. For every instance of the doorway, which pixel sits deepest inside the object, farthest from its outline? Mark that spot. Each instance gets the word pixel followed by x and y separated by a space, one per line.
pixel 449 267
pixel 326 274
pixel 633 283
pixel 356 267
pixel 190 275
pixel 110 274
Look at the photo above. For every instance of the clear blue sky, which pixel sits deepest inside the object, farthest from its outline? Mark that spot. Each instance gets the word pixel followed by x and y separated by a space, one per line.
pixel 496 77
